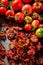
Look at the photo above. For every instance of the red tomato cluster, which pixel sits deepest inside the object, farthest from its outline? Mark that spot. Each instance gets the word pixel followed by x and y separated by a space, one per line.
pixel 23 10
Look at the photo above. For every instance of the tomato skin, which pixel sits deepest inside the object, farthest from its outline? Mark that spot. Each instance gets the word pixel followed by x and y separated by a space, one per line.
pixel 19 17
pixel 35 15
pixel 27 27
pixel 2 10
pixel 35 23
pixel 5 2
pixel 37 7
pixel 9 13
pixel 17 5
pixel 28 19
pixel 27 9
pixel 39 32
pixel 27 1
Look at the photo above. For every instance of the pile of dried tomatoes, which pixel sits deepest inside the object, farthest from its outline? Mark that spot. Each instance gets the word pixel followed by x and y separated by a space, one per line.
pixel 22 24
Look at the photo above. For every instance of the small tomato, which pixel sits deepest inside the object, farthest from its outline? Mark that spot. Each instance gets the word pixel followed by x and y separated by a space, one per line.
pixel 28 19
pixel 35 15
pixel 2 10
pixel 37 7
pixel 9 13
pixel 19 17
pixel 27 27
pixel 27 9
pixel 17 5
pixel 39 32
pixel 35 24
pixel 4 2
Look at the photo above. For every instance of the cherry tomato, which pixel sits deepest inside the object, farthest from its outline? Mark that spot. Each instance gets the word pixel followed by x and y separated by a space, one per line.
pixel 19 17
pixel 35 24
pixel 17 5
pixel 27 27
pixel 9 13
pixel 39 32
pixel 27 1
pixel 35 15
pixel 37 7
pixel 28 19
pixel 2 10
pixel 5 2
pixel 27 9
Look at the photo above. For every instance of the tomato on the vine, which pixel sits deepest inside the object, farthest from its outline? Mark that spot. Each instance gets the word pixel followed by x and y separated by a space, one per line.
pixel 17 5
pixel 37 7
pixel 9 13
pixel 4 2
pixel 27 1
pixel 2 10
pixel 27 9
pixel 27 27
pixel 19 17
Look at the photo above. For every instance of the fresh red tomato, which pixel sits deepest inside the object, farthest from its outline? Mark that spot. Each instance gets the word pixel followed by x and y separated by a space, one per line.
pixel 5 2
pixel 2 10
pixel 9 13
pixel 27 27
pixel 27 1
pixel 27 9
pixel 35 24
pixel 37 7
pixel 19 17
pixel 17 5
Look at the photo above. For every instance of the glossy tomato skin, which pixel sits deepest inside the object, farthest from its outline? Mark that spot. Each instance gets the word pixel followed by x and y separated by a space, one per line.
pixel 35 24
pixel 5 2
pixel 27 27
pixel 37 7
pixel 38 0
pixel 39 32
pixel 19 17
pixel 27 9
pixel 2 10
pixel 17 5
pixel 27 1
pixel 9 13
